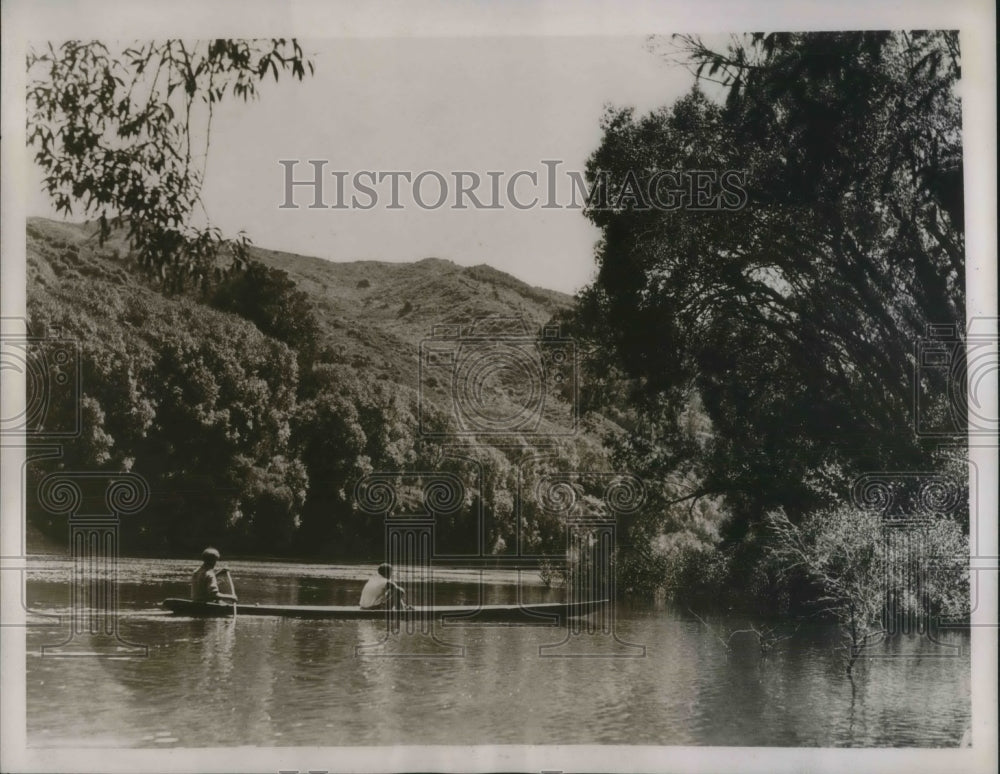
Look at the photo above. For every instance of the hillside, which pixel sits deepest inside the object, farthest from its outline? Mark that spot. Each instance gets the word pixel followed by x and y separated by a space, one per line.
pixel 260 440
pixel 376 313
pixel 373 313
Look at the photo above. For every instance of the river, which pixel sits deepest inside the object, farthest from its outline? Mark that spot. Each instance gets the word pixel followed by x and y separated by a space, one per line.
pixel 665 679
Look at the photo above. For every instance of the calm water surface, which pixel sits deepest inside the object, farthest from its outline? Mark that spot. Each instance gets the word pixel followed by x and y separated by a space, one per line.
pixel 269 681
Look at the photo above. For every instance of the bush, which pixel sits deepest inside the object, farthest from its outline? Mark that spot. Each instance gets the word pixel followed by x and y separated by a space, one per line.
pixel 869 568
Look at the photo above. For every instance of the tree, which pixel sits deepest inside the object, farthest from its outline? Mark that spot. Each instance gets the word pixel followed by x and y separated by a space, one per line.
pixel 329 439
pixel 862 581
pixel 269 505
pixel 224 394
pixel 791 315
pixel 271 300
pixel 114 133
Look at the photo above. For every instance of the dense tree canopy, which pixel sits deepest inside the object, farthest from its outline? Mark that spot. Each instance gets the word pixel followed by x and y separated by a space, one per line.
pixel 791 320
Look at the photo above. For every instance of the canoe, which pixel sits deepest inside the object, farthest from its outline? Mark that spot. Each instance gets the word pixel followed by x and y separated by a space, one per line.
pixel 537 613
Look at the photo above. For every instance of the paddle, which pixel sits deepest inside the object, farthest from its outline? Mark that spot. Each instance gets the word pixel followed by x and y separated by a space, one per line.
pixel 396 597
pixel 232 589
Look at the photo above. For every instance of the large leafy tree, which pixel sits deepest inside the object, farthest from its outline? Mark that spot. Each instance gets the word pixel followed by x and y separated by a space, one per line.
pixel 271 300
pixel 122 136
pixel 792 319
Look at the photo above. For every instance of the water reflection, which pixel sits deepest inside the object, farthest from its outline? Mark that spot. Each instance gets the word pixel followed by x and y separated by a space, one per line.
pixel 271 681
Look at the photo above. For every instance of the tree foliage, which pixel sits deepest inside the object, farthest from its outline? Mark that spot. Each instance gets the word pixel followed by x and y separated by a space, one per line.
pixel 271 300
pixel 792 320
pixel 123 136
pixel 862 581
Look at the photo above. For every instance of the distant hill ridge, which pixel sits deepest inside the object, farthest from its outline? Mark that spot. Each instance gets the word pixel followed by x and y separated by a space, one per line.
pixel 373 313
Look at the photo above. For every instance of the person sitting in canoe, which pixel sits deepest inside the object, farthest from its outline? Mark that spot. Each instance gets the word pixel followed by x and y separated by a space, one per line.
pixel 380 591
pixel 205 583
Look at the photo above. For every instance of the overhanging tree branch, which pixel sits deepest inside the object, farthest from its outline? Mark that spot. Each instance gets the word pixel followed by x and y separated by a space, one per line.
pixel 112 135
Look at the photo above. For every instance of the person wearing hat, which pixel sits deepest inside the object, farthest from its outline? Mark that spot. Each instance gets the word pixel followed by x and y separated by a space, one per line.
pixel 380 591
pixel 205 584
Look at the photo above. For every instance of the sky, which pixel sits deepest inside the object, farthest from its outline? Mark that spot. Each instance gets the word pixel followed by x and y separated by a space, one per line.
pixel 442 104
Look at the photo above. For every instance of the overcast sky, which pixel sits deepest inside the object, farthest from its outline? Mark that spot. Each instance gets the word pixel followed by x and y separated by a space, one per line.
pixel 450 104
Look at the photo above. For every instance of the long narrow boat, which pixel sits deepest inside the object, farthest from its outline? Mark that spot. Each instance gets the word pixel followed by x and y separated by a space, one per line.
pixel 538 613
